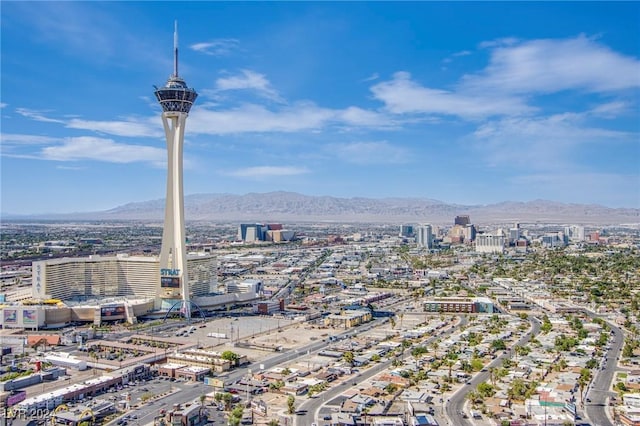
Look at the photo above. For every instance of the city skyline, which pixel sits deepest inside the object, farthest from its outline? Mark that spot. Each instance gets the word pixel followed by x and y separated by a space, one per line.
pixel 469 103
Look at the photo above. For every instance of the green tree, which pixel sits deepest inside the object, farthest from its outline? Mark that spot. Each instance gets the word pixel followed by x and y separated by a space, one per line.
pixel 277 385
pixel 485 389
pixel 228 399
pixel 231 357
pixel 291 402
pixel 235 417
pixel 492 375
pixel 627 350
pixel 450 364
pixel 476 364
pixel 591 363
pixel 418 351
pixel 434 346
pixel 348 357
pixel 498 345
pixel 546 325
pixel 474 397
pixel 520 390
pixel 583 381
pixel 621 387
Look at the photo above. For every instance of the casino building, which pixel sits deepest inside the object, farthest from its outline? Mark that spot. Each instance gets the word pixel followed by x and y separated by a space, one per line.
pixel 99 277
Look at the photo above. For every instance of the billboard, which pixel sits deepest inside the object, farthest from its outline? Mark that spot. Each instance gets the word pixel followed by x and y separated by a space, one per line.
pixel 170 282
pixel 29 316
pixel 212 381
pixel 112 311
pixel 10 316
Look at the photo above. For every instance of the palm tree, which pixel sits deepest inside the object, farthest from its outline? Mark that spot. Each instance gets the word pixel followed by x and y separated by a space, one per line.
pixel 227 398
pixel 218 397
pixel 202 398
pixel 434 346
pixel 473 397
pixel 583 381
pixel 450 364
pixel 94 355
pixel 492 375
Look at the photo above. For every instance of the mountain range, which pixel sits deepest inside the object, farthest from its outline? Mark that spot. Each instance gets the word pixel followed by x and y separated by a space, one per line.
pixel 293 207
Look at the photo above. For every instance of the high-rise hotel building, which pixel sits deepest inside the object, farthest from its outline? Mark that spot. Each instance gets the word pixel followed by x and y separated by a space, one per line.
pixel 99 277
pixel 424 236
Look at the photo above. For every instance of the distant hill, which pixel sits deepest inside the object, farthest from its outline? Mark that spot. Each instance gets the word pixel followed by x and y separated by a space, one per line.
pixel 290 207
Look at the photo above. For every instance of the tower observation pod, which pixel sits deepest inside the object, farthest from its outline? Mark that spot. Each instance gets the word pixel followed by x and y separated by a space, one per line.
pixel 176 100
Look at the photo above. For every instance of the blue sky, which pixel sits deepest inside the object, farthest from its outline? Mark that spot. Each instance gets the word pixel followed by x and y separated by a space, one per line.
pixel 471 103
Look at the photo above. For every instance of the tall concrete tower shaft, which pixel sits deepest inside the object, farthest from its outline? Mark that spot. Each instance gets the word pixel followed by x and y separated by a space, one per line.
pixel 176 100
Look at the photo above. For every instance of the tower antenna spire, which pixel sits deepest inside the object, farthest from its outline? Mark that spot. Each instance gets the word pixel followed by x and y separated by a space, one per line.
pixel 175 49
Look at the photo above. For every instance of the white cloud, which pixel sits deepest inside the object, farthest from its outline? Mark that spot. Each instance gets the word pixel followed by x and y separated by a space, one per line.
pixel 106 150
pixel 257 118
pixel 402 95
pixel 610 109
pixel 128 128
pixel 303 116
pixel 549 66
pixel 21 145
pixel 540 142
pixel 249 80
pixel 217 47
pixel 372 77
pixel 505 41
pixel 2 105
pixel 262 172
pixel 21 139
pixel 456 55
pixel 516 70
pixel 362 117
pixel 36 115
pixel 364 153
pixel 71 168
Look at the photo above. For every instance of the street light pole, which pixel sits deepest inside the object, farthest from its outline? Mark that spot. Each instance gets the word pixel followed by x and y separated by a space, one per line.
pixel 545 409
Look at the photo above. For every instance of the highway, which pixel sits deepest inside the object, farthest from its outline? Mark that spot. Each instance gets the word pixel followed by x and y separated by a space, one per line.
pixel 454 406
